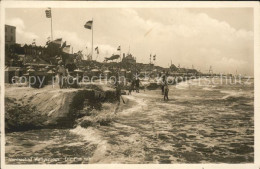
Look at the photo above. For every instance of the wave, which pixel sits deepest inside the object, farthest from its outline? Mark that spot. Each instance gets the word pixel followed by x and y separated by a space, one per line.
pixel 135 104
pixel 207 88
pixel 183 85
pixel 93 136
pixel 236 95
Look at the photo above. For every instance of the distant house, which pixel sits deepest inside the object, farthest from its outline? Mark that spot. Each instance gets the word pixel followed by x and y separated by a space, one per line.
pixel 10 72
pixel 182 70
pixel 10 35
pixel 35 60
pixel 192 71
pixel 173 68
pixel 128 59
pixel 129 62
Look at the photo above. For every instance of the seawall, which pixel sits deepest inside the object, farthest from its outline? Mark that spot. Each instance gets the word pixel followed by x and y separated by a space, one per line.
pixel 29 108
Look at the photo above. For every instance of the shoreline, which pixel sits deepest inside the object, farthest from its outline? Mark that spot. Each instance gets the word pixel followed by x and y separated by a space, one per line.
pixel 29 108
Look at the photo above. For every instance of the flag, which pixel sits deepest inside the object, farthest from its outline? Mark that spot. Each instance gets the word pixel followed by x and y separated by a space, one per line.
pixel 66 49
pixel 119 48
pixel 48 41
pixel 48 13
pixel 89 56
pixel 58 41
pixel 88 25
pixel 33 43
pixel 63 45
pixel 96 49
pixel 154 57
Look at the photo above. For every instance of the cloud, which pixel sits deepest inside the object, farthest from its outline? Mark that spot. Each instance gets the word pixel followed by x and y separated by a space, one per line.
pixel 73 39
pixel 16 22
pixel 187 38
pixel 20 29
pixel 194 38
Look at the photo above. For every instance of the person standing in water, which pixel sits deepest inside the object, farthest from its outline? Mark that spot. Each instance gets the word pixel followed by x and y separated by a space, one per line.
pixel 163 82
pixel 118 90
pixel 166 91
pixel 132 86
pixel 137 84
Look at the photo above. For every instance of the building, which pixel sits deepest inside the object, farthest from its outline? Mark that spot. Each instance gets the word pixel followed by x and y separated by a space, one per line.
pixel 129 62
pixel 129 59
pixel 10 35
pixel 173 68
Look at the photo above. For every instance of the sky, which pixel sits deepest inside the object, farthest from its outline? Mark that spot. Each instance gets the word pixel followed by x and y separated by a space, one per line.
pixel 219 37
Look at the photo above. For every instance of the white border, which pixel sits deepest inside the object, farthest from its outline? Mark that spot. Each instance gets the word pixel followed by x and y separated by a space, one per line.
pixel 145 4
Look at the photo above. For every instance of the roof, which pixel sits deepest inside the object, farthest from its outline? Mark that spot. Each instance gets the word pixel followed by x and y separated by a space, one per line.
pixel 7 68
pixel 173 66
pixel 29 60
pixel 192 70
pixel 10 26
pixel 183 70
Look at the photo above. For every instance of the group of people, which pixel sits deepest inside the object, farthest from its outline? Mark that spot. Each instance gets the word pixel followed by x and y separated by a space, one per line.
pixel 62 73
pixel 63 77
pixel 134 85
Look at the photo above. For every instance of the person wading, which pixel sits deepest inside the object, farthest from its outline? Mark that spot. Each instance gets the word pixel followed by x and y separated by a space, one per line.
pixel 118 91
pixel 132 86
pixel 166 91
pixel 137 84
pixel 163 82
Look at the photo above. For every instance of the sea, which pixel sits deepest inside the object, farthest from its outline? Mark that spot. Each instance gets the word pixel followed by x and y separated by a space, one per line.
pixel 202 122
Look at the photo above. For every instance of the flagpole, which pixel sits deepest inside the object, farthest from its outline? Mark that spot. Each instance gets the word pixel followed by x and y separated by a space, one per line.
pixel 87 52
pixel 97 57
pixel 120 54
pixel 51 28
pixel 92 37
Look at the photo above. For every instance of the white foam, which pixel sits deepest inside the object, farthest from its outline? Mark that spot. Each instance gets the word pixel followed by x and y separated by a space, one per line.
pixel 231 93
pixel 183 85
pixel 92 135
pixel 139 105
pixel 207 88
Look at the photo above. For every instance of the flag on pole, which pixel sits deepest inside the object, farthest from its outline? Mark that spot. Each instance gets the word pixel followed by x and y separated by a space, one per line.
pixel 88 25
pixel 154 57
pixel 66 49
pixel 89 56
pixel 64 45
pixel 119 48
pixel 34 43
pixel 96 49
pixel 48 41
pixel 58 41
pixel 48 13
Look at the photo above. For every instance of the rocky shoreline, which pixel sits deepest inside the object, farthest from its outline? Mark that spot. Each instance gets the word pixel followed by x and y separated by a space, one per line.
pixel 28 108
